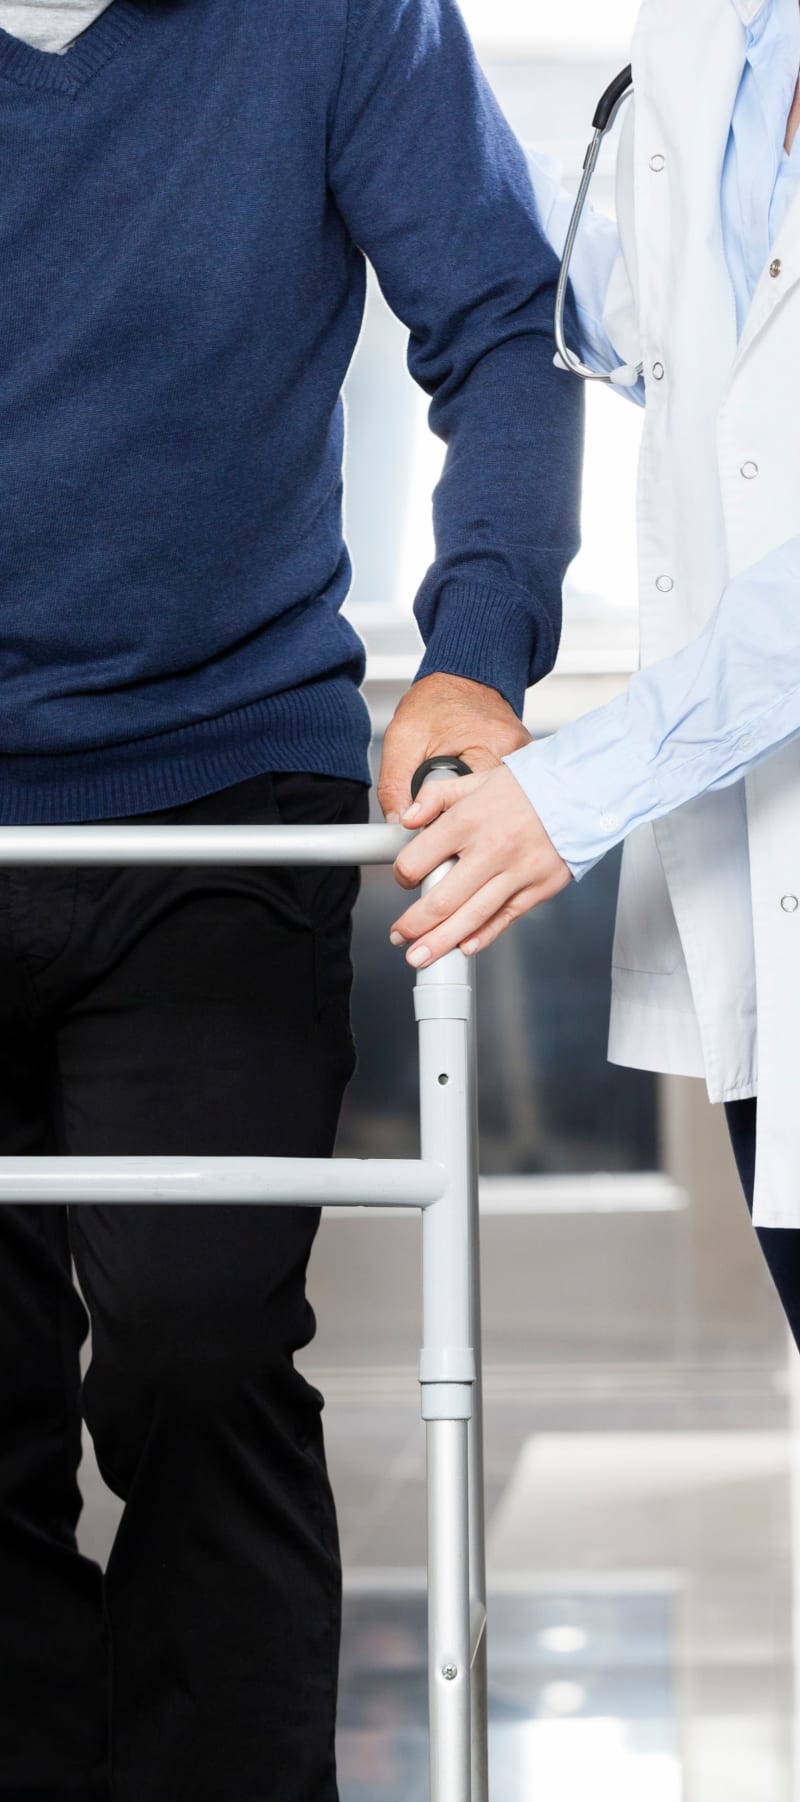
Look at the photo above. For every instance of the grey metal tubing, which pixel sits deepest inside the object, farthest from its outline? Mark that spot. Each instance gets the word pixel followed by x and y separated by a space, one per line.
pixel 302 1182
pixel 443 1000
pixel 479 1702
pixel 201 844
pixel 443 1185
pixel 477 1638
pixel 449 1674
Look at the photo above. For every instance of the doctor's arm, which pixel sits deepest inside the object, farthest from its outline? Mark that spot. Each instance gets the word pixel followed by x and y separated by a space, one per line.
pixel 691 723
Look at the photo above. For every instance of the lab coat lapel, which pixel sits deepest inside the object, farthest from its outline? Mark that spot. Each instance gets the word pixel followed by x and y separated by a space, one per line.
pixel 686 116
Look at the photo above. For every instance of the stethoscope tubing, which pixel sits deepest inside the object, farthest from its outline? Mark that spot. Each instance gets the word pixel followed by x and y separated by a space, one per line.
pixel 606 112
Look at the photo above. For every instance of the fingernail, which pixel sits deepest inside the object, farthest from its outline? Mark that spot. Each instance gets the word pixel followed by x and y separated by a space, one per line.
pixel 470 947
pixel 412 813
pixel 392 819
pixel 419 956
pixel 396 938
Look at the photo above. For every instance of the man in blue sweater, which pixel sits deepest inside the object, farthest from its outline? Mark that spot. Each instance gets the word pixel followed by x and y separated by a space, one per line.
pixel 189 191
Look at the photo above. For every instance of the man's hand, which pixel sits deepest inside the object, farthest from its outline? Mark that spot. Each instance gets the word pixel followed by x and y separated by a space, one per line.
pixel 439 716
pixel 506 865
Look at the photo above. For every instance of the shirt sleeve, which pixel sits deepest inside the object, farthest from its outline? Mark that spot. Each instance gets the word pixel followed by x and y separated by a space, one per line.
pixel 595 255
pixel 434 189
pixel 691 723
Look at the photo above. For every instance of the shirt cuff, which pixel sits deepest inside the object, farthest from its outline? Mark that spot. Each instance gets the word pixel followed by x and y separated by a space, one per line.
pixel 589 785
pixel 487 636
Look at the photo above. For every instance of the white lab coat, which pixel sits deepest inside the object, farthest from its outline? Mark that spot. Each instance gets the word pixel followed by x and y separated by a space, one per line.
pixel 706 966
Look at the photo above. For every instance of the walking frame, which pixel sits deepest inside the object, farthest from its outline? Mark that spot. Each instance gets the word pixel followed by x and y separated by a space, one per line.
pixel 443 1183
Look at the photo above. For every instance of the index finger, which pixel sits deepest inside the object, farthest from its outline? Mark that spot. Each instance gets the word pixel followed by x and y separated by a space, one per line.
pixel 428 851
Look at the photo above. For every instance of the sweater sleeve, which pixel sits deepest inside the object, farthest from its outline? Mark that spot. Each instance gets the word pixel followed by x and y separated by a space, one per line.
pixel 434 189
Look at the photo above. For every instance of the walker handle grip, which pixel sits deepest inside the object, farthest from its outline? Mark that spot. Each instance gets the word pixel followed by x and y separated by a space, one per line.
pixel 438 766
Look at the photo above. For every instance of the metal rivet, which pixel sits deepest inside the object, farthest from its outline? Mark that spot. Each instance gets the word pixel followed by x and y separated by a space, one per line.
pixel 776 268
pixel 664 584
pixel 444 1079
pixel 789 903
pixel 658 372
pixel 657 163
pixel 749 471
pixel 449 1672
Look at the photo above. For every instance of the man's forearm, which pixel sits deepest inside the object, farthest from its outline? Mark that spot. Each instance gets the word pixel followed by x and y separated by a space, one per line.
pixel 434 189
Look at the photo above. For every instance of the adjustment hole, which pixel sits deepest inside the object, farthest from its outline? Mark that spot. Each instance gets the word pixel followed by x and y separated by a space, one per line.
pixel 444 1079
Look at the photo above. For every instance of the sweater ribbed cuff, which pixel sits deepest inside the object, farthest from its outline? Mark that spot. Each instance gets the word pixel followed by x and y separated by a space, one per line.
pixel 485 635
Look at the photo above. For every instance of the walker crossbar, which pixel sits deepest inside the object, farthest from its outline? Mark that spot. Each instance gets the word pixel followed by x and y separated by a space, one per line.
pixel 316 845
pixel 443 1184
pixel 300 1182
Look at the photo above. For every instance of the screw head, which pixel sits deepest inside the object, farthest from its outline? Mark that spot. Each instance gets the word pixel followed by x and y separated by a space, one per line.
pixel 449 1671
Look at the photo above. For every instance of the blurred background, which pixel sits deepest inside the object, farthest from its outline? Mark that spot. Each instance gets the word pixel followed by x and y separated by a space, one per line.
pixel 643 1492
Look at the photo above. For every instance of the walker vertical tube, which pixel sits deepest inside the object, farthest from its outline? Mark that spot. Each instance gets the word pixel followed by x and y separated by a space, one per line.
pixel 477 1496
pixel 443 1004
pixel 449 1677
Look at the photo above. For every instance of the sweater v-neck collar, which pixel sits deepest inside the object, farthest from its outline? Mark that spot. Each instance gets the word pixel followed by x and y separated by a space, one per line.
pixel 64 74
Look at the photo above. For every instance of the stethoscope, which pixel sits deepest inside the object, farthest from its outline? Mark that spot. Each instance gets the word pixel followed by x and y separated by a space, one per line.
pixel 627 375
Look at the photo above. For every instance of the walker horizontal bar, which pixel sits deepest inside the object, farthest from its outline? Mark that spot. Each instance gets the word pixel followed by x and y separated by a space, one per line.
pixel 302 1182
pixel 100 844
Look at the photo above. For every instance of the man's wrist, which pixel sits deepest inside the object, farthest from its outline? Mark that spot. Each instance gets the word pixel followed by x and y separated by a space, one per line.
pixel 482 635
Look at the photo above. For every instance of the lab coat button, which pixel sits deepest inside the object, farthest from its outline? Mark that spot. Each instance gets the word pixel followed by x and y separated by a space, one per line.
pixel 657 164
pixel 776 268
pixel 789 903
pixel 664 584
pixel 658 372
pixel 749 471
pixel 746 742
pixel 609 822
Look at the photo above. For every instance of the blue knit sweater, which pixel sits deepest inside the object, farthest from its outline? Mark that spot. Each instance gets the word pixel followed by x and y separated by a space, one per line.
pixel 187 199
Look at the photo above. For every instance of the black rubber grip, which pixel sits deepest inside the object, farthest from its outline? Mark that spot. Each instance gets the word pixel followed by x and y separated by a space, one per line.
pixel 454 766
pixel 611 98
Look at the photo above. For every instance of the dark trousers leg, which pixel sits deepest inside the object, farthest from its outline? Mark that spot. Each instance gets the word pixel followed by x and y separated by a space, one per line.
pixel 53 1707
pixel 207 1011
pixel 781 1246
pixel 53 1713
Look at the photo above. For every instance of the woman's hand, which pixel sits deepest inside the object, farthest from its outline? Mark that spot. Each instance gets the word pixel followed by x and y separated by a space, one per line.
pixel 506 864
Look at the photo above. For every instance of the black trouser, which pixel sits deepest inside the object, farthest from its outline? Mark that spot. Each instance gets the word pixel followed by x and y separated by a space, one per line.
pixel 172 1011
pixel 780 1245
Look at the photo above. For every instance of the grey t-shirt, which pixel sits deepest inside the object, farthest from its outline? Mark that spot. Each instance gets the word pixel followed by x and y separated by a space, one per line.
pixel 50 24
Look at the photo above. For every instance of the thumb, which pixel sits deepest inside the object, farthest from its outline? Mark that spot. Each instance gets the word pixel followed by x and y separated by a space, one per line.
pixel 480 758
pixel 394 781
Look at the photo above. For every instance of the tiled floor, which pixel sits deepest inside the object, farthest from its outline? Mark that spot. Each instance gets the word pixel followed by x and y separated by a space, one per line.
pixel 581 1695
pixel 641 1619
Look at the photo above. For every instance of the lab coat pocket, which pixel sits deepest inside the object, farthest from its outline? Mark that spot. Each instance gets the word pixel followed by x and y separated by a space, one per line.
pixel 646 939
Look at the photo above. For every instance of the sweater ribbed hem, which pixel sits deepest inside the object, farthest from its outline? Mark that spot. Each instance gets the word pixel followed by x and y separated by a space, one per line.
pixel 321 729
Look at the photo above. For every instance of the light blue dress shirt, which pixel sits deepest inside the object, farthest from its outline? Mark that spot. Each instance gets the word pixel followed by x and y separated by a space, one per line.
pixel 700 719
